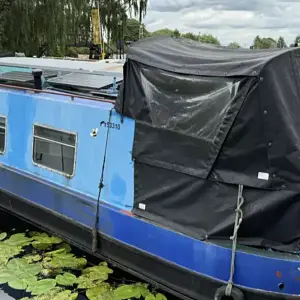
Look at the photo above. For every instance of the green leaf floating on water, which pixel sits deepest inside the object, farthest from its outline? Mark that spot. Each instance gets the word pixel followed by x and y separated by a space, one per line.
pixel 43 241
pixel 32 258
pixel 19 274
pixel 64 260
pixel 67 279
pixel 18 240
pixel 65 295
pixel 160 296
pixel 93 276
pixel 127 292
pixel 3 235
pixel 103 291
pixel 41 286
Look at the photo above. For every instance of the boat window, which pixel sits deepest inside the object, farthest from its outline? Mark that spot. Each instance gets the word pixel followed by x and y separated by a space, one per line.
pixel 2 134
pixel 54 149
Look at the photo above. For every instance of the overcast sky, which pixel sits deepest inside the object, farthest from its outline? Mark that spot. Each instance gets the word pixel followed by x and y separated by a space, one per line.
pixel 229 20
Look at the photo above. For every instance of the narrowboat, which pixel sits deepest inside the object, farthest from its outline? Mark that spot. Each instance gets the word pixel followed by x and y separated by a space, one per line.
pixel 180 165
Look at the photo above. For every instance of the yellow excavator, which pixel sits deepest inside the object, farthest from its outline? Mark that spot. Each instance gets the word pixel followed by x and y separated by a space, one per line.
pixel 96 46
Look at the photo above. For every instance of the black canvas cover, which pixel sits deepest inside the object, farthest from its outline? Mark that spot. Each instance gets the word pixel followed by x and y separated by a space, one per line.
pixel 208 119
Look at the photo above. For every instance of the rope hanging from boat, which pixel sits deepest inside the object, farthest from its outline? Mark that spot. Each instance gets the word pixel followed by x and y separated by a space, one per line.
pixel 101 186
pixel 237 224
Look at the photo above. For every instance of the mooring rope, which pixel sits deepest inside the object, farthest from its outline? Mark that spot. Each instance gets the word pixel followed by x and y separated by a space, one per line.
pixel 237 224
pixel 101 186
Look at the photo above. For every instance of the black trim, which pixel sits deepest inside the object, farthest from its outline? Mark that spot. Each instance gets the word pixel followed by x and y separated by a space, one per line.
pixel 178 281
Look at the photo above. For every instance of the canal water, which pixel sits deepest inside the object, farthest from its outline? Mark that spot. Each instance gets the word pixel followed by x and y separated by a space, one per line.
pixel 12 225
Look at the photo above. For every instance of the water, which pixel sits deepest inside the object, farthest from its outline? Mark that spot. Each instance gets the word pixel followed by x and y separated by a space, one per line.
pixel 12 225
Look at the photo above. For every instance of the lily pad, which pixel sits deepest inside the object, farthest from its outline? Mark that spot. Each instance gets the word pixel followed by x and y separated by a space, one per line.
pixel 98 269
pixel 32 258
pixel 43 241
pixel 127 292
pixel 18 240
pixel 66 295
pixel 7 252
pixel 64 260
pixel 104 290
pixel 3 235
pixel 67 279
pixel 19 274
pixel 160 296
pixel 41 286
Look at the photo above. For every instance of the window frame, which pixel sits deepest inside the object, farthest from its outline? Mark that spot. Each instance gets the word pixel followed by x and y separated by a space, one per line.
pixel 54 142
pixel 5 136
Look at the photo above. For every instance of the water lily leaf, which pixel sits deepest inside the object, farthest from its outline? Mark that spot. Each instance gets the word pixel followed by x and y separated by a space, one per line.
pixel 67 279
pixel 32 258
pixel 3 235
pixel 91 280
pixel 19 274
pixel 66 295
pixel 56 252
pixel 150 297
pixel 66 246
pixel 98 269
pixel 67 261
pixel 104 290
pixel 127 292
pixel 17 284
pixel 18 239
pixel 43 241
pixel 6 276
pixel 50 295
pixel 160 296
pixel 41 286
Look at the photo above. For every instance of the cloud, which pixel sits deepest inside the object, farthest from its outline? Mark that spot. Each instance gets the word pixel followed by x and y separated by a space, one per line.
pixel 229 20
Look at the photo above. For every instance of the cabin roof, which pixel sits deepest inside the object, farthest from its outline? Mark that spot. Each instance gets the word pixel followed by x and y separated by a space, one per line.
pixel 185 56
pixel 108 65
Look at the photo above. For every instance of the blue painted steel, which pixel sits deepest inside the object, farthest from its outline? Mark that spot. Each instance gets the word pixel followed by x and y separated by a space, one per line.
pixel 76 197
pixel 4 69
pixel 79 116
pixel 252 271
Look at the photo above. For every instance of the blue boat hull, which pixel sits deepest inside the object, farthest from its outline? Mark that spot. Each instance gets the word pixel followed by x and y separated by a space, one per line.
pixel 184 265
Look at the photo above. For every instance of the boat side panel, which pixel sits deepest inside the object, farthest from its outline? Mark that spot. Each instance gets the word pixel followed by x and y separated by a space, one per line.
pixel 79 116
pixel 252 271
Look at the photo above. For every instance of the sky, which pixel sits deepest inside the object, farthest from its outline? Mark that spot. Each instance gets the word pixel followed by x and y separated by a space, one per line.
pixel 229 20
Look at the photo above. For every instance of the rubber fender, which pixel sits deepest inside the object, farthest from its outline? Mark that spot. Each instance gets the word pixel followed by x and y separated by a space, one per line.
pixel 236 294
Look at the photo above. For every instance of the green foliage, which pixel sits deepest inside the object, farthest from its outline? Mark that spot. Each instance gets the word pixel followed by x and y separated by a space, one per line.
pixel 92 278
pixel 135 291
pixel 64 260
pixel 43 241
pixel 19 273
pixel 132 30
pixel 102 291
pixel 234 45
pixel 264 43
pixel 67 279
pixel 281 43
pixel 41 287
pixel 3 236
pixel 163 32
pixel 29 272
pixel 209 39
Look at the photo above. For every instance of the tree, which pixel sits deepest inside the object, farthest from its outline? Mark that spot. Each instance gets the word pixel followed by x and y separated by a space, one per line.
pixel 281 43
pixel 132 30
pixel 190 36
pixel 297 41
pixel 234 45
pixel 4 13
pixel 163 32
pixel 176 33
pixel 264 43
pixel 209 39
